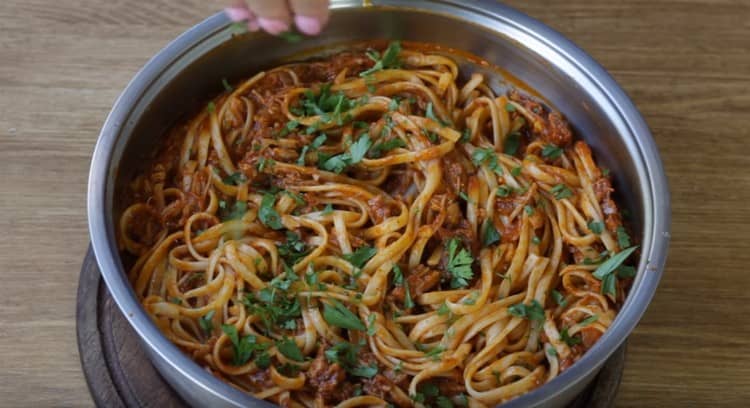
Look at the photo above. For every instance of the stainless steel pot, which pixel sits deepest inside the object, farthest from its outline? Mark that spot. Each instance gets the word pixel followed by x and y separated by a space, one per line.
pixel 189 70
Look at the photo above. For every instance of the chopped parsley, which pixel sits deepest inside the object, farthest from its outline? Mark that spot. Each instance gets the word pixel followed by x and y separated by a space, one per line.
pixel 356 153
pixel 490 234
pixel 435 353
pixel 235 179
pixel 268 214
pixel 336 314
pixel 570 341
pixel 289 349
pixel 510 107
pixel 329 106
pixel 431 115
pixel 408 302
pixel 206 321
pixel 503 191
pixel 589 320
pixel 293 249
pixel 328 209
pixel 551 151
pixel 226 85
pixel 289 127
pixel 559 298
pixel 459 264
pixel 443 309
pixel 605 271
pixel 623 239
pixel 388 60
pixel 487 157
pixel 384 147
pixel 264 163
pixel 596 227
pixel 516 171
pixel 245 347
pixel 291 36
pixel 535 240
pixel 529 210
pixel 211 107
pixel 561 191
pixel 512 142
pixel 533 311
pixel 272 304
pixel 359 258
pixel 345 354
pixel 238 210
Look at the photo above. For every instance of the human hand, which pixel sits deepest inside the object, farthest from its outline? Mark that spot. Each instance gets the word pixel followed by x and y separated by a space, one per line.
pixel 276 16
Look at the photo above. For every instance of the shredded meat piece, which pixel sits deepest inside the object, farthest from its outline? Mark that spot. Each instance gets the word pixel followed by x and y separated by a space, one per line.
pixel 603 191
pixel 379 209
pixel 451 386
pixel 326 378
pixel 550 126
pixel 590 335
pixel 455 175
pixel 421 280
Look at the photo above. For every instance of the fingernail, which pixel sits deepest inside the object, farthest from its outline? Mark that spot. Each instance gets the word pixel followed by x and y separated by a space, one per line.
pixel 308 25
pixel 274 27
pixel 253 25
pixel 237 13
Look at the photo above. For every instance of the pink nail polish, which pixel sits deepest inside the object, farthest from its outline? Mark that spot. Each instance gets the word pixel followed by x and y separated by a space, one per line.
pixel 237 13
pixel 308 25
pixel 274 27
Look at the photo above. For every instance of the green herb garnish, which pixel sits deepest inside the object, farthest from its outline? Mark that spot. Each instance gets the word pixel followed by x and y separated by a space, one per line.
pixel 459 264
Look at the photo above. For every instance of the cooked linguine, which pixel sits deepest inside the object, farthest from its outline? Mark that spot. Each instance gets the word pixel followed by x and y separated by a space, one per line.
pixel 369 229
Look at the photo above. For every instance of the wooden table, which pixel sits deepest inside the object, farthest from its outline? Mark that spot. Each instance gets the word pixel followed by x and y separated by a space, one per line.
pixel 686 63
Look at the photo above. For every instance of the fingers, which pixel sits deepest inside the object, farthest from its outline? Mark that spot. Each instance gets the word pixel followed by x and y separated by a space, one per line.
pixel 310 16
pixel 273 15
pixel 239 13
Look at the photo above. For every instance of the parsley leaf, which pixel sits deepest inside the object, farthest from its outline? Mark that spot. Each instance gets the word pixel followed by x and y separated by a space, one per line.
pixel 559 298
pixel 239 208
pixel 371 329
pixel 288 347
pixel 487 157
pixel 388 60
pixel 443 309
pixel 206 321
pixel 235 179
pixel 609 285
pixel 267 213
pixel 533 312
pixel 359 149
pixel 359 258
pixel 364 371
pixel 384 147
pixel 512 142
pixel 589 320
pixel 561 191
pixel 490 234
pixel 226 85
pixel 244 347
pixel 503 191
pixel 293 249
pixel 551 151
pixel 516 171
pixel 623 239
pixel 339 315
pixel 596 227
pixel 291 36
pixel 408 302
pixel 570 341
pixel 459 264
pixel 345 354
pixel 611 264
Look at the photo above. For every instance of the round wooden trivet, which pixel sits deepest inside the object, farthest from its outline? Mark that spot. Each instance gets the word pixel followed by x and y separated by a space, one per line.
pixel 120 375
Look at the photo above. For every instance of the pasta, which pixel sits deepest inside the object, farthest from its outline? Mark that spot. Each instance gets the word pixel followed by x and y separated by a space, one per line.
pixel 371 230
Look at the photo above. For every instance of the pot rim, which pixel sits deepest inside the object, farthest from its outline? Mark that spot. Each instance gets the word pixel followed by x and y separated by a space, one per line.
pixel 553 45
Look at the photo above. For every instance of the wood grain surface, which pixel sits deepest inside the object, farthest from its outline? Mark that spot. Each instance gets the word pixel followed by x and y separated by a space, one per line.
pixel 685 63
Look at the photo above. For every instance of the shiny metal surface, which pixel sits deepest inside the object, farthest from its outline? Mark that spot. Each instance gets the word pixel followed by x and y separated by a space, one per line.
pixel 180 78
